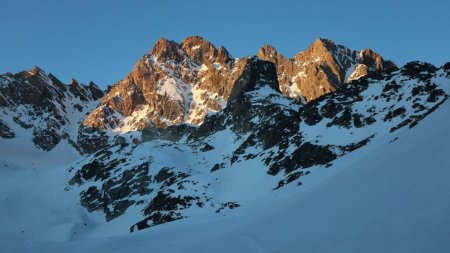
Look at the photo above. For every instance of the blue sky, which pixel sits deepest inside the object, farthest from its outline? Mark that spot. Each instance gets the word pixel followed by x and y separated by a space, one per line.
pixel 101 40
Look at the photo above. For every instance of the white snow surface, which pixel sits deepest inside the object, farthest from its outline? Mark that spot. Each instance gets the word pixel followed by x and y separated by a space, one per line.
pixel 384 197
pixel 174 88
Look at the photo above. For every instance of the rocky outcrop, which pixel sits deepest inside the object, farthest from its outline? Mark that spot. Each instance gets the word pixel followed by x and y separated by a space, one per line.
pixel 5 131
pixel 45 106
pixel 323 68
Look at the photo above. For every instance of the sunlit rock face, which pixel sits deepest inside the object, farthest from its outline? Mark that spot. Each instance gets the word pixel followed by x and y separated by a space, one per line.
pixel 175 83
pixel 184 82
pixel 322 68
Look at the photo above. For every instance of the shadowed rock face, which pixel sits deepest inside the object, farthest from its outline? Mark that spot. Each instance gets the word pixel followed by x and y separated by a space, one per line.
pixel 323 68
pixel 40 102
pixel 183 82
pixel 5 131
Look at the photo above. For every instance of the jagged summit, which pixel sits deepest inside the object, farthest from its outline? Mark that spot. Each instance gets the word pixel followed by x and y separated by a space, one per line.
pixel 375 62
pixel 73 82
pixel 202 51
pixel 166 50
pixel 322 68
pixel 269 53
pixel 196 48
pixel 36 70
pixel 256 74
pixel 47 109
pixel 325 43
pixel 176 83
pixel 183 82
pixel 196 42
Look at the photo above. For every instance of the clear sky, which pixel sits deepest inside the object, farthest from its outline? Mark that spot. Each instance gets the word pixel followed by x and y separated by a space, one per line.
pixel 101 40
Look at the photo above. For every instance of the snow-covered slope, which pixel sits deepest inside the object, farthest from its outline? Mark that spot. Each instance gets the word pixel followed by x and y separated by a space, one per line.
pixel 388 196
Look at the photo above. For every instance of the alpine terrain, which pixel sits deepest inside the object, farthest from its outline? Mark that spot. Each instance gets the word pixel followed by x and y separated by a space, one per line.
pixel 195 150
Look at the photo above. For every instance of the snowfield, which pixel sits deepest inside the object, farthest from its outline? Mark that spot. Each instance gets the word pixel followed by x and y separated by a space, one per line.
pixel 390 196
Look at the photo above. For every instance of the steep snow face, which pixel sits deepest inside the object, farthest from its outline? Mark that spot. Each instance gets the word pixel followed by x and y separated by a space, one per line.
pixel 201 104
pixel 173 89
pixel 39 114
pixel 387 196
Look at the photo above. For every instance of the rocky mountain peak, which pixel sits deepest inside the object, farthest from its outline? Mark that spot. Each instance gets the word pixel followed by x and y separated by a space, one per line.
pixel 223 56
pixel 320 50
pixel 36 70
pixel 45 107
pixel 269 53
pixel 183 82
pixel 96 92
pixel 85 92
pixel 176 83
pixel 256 73
pixel 167 50
pixel 192 41
pixel 196 42
pixel 74 82
pixel 375 62
pixel 326 43
pixel 201 51
pixel 322 68
pixel 267 50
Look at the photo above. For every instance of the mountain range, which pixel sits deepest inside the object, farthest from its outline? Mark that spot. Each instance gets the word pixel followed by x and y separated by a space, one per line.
pixel 193 133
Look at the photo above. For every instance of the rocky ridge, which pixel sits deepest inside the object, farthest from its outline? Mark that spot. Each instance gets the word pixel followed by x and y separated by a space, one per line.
pixel 40 103
pixel 322 68
pixel 183 83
